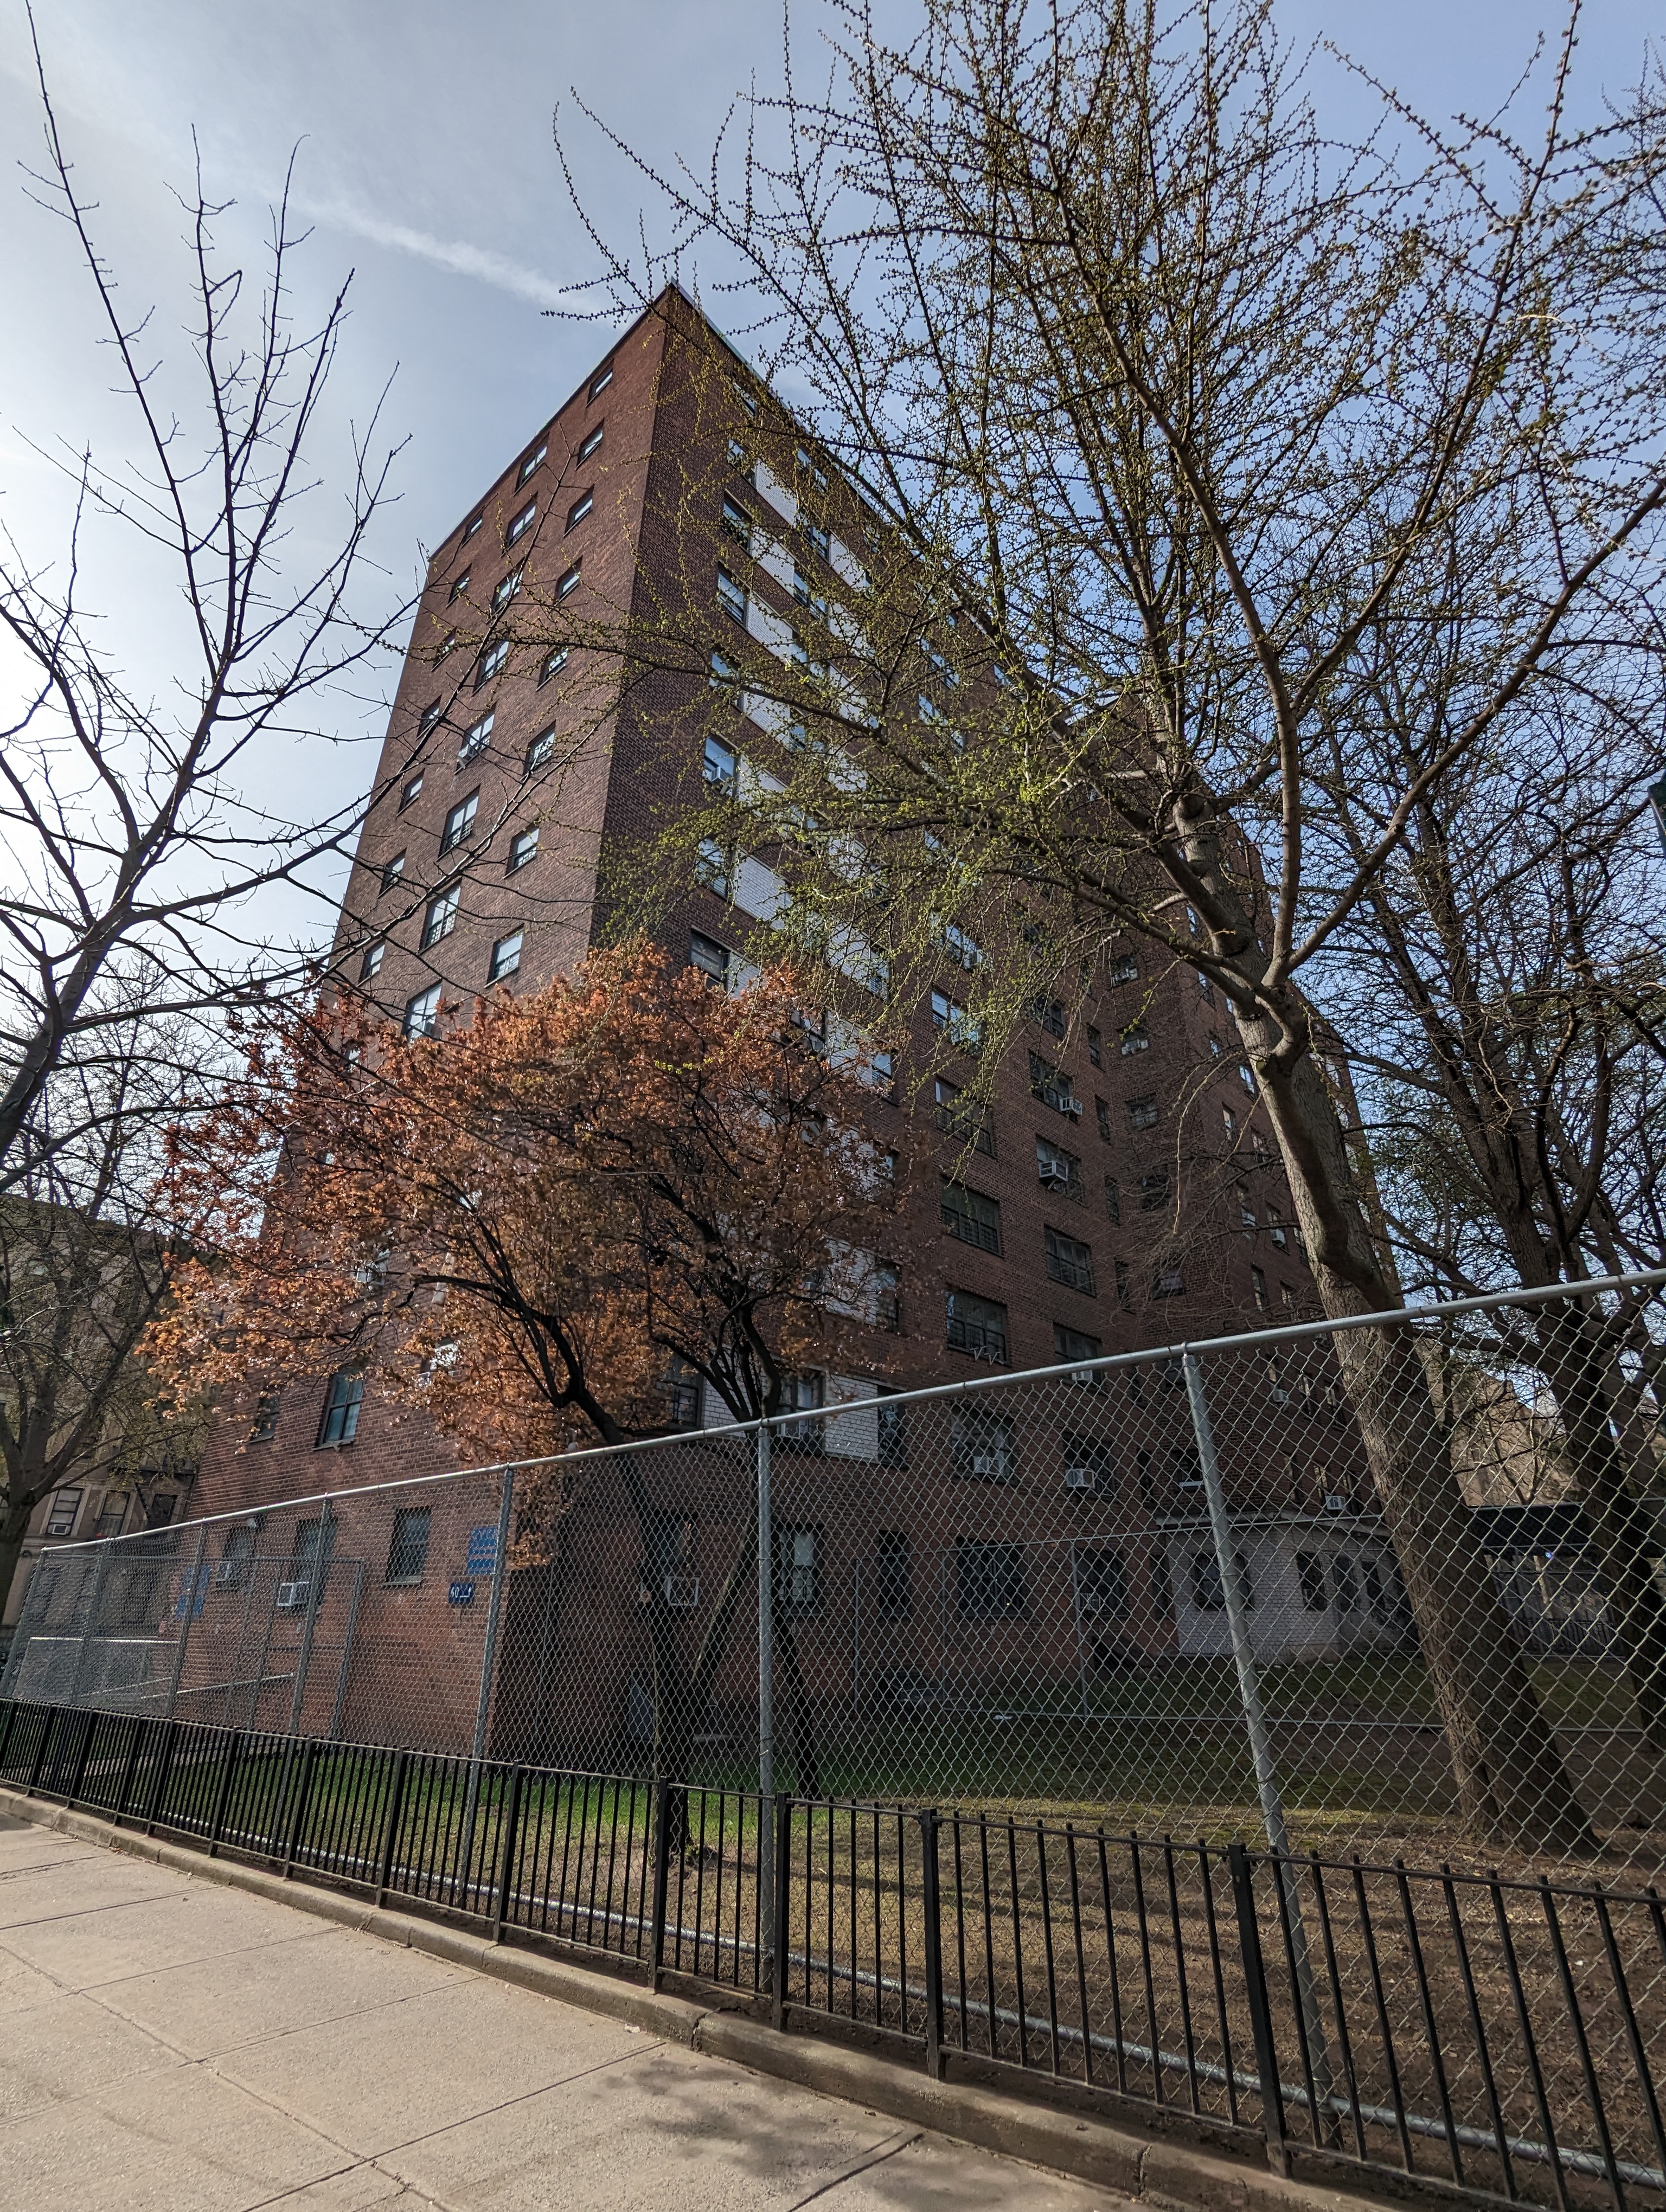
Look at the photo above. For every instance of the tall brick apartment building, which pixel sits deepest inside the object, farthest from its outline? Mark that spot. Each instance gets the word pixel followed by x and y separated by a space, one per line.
pixel 1121 1187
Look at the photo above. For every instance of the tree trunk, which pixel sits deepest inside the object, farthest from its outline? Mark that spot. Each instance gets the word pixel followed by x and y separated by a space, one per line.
pixel 13 1527
pixel 1513 1787
pixel 1626 1543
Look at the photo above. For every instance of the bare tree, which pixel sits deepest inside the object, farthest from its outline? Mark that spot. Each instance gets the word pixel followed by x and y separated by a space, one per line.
pixel 134 834
pixel 1181 417
pixel 84 1265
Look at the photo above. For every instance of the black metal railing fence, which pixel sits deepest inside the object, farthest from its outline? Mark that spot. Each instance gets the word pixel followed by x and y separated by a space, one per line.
pixel 1338 2011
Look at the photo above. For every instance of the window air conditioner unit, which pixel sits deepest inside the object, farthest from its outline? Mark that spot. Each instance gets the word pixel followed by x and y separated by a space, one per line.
pixel 991 1465
pixel 1334 1503
pixel 1083 1375
pixel 1079 1478
pixel 291 1596
pixel 1055 1175
pixel 683 1592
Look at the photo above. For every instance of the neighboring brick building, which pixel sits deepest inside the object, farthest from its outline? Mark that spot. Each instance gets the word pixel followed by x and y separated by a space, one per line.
pixel 1122 1189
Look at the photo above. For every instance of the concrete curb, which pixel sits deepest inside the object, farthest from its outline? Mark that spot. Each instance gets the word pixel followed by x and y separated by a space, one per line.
pixel 1168 2176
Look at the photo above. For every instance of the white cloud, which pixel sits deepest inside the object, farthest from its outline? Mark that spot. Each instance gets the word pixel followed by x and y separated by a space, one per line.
pixel 455 255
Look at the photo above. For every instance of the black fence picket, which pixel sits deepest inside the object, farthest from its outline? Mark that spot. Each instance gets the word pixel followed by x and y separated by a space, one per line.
pixel 1498 2037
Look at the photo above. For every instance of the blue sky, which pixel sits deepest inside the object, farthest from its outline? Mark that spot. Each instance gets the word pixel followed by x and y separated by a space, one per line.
pixel 426 165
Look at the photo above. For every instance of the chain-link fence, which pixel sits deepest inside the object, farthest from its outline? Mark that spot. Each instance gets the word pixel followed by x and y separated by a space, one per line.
pixel 1383 1602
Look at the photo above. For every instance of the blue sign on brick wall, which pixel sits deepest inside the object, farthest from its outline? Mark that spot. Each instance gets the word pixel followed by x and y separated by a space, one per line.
pixel 460 1594
pixel 483 1550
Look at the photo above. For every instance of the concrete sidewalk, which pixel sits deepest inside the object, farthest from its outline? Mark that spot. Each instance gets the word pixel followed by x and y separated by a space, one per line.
pixel 169 2042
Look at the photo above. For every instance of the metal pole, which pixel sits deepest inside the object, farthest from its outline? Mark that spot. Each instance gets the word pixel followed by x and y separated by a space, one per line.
pixel 1260 1746
pixel 766 1703
pixel 856 1640
pixel 347 1651
pixel 315 1574
pixel 1076 1607
pixel 100 1572
pixel 193 1593
pixel 488 1660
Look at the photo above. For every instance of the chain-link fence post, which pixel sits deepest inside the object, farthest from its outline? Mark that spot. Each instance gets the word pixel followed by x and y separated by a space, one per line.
pixel 487 1664
pixel 1261 1743
pixel 315 1574
pixel 189 1600
pixel 766 1703
pixel 101 1570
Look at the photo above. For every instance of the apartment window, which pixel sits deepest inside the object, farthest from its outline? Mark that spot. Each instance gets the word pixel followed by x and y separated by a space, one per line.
pixel 1154 1191
pixel 1102 1114
pixel 422 1013
pixel 1050 1014
pixel 711 868
pixel 459 823
pixel 521 524
pixel 459 587
pixel 523 847
pixel 1258 1285
pixel 807 594
pixel 506 588
pixel 1122 968
pixel 711 959
pixel 1311 1574
pixel 1142 1112
pixel 1102 1583
pixel 893 1427
pixel 803 1393
pixel 977 1326
pixel 429 715
pixel 542 750
pixel 961 1117
pixel 492 663
pixel 815 531
pixel 552 664
pixel 391 871
pixel 61 1514
pixel 1072 1345
pixel 1208 1591
pixel 1096 1048
pixel 1228 1122
pixel 446 645
pixel 413 790
pixel 1052 1086
pixel 970 1216
pixel 592 444
pixel 1124 1285
pixel 1215 1046
pixel 476 738
pixel 1087 1464
pixel 1058 1171
pixel 533 459
pixel 372 962
pixel 893 1578
pixel 1247 1076
pixel 1347 1582
pixel 798 1573
pixel 950 1016
pixel 1246 1211
pixel 748 400
pixel 990 1580
pixel 237 1557
pixel 1136 1038
pixel 1113 1199
pixel 737 455
pixel 725 674
pixel 980 1444
pixel 470 527
pixel 263 1427
pixel 683 1389
pixel 718 765
pixel 1275 1230
pixel 736 521
pixel 1069 1260
pixel 440 919
pixel 732 597
pixel 600 380
pixel 340 1424
pixel 811 468
pixel 407 1550
pixel 506 956
pixel 580 506
pixel 961 947
pixel 1206 987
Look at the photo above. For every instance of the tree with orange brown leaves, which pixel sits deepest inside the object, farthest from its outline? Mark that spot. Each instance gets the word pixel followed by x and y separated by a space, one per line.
pixel 520 1227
